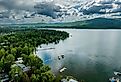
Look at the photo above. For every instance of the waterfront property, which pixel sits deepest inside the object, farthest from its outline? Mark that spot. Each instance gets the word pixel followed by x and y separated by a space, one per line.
pixel 18 61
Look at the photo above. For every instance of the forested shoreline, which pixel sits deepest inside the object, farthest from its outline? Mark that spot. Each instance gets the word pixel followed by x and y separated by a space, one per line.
pixel 20 45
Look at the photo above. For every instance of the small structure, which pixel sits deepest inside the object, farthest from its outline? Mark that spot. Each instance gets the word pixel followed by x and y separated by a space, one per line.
pixel 5 80
pixel 4 77
pixel 2 43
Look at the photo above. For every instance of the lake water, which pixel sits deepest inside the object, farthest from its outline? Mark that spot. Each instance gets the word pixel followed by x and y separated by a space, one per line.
pixel 91 55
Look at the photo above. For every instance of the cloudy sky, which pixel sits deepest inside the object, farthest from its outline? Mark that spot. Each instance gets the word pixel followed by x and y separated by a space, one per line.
pixel 39 11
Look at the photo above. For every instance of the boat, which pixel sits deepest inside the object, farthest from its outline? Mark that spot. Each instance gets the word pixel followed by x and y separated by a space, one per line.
pixel 63 69
pixel 113 79
pixel 61 57
pixel 117 73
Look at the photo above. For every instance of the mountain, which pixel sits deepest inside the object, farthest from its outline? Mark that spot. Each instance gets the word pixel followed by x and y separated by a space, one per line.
pixel 100 23
pixel 97 23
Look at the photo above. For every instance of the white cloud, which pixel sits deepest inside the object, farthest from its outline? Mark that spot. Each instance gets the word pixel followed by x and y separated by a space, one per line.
pixel 17 4
pixel 102 6
pixel 57 10
pixel 47 8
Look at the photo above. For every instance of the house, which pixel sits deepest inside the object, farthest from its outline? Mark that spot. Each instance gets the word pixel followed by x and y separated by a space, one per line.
pixel 22 66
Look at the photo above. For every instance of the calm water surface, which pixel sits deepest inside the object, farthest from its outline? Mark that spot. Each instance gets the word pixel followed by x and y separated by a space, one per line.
pixel 91 55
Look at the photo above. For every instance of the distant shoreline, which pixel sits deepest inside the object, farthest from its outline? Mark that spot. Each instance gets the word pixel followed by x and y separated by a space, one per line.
pixel 55 27
pixel 97 23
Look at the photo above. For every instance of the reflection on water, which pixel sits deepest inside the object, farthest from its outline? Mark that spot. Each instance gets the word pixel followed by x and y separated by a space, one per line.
pixel 91 55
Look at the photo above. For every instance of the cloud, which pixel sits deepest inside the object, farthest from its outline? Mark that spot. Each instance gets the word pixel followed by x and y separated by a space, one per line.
pixel 102 7
pixel 56 10
pixel 17 4
pixel 47 8
pixel 15 7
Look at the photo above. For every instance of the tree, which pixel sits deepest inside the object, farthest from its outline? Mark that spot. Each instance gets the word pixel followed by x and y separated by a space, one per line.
pixel 34 61
pixel 35 78
pixel 25 78
pixel 15 73
pixel 47 77
pixel 19 50
pixel 45 68
pixel 25 58
pixel 25 50
pixel 22 44
pixel 13 51
pixel 2 53
pixel 8 61
pixel 10 58
pixel 1 66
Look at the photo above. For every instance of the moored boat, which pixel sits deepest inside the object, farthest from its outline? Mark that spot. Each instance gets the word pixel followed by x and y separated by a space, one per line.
pixel 113 79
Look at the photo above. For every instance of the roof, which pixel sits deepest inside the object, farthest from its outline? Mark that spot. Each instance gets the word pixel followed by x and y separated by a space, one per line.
pixel 4 80
pixel 19 58
pixel 4 77
pixel 19 61
pixel 23 67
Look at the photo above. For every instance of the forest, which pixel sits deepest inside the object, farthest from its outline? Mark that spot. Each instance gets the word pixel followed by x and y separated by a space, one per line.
pixel 18 63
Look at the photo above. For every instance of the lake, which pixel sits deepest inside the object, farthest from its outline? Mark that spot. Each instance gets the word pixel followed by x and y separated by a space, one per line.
pixel 91 55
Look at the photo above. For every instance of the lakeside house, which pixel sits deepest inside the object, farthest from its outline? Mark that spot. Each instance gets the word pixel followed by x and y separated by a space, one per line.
pixel 4 77
pixel 20 64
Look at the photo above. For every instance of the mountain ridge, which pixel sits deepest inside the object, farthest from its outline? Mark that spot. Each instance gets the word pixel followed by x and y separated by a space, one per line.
pixel 97 23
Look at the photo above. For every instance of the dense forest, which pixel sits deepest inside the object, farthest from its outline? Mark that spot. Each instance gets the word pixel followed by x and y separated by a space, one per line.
pixel 18 63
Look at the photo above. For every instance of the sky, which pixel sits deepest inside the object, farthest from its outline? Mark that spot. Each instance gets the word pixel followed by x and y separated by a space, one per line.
pixel 51 11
